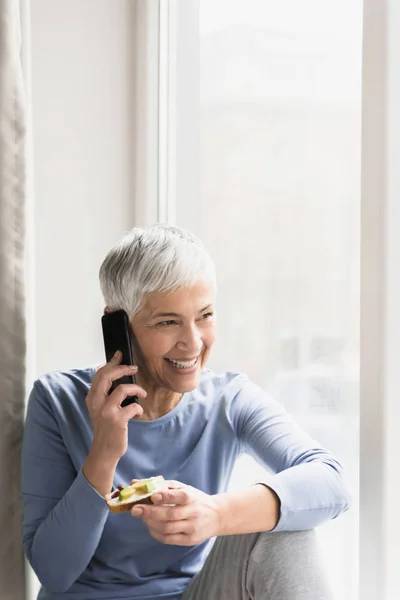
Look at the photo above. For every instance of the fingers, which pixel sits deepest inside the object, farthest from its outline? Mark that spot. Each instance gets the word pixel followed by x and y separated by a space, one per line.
pixel 171 528
pixel 127 389
pixel 179 496
pixel 116 359
pixel 99 402
pixel 172 483
pixel 131 411
pixel 112 407
pixel 174 525
pixel 112 370
pixel 107 377
pixel 178 539
pixel 159 514
pixel 177 533
pixel 103 381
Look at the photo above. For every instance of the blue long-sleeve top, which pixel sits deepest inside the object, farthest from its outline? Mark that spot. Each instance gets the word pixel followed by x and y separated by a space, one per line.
pixel 80 550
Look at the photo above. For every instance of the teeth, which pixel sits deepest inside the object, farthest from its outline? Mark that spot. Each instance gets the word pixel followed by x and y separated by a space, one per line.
pixel 183 364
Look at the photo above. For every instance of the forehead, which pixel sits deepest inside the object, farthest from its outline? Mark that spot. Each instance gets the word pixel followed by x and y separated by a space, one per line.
pixel 196 297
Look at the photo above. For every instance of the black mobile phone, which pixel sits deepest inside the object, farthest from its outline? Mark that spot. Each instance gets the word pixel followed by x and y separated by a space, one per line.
pixel 117 336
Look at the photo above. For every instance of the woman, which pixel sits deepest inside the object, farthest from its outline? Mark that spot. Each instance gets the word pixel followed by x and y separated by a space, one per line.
pixel 190 426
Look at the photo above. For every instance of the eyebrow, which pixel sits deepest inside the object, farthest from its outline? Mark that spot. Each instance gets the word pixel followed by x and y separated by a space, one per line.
pixel 175 315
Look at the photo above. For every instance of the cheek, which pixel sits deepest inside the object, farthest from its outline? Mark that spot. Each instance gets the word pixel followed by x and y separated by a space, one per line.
pixel 210 336
pixel 154 344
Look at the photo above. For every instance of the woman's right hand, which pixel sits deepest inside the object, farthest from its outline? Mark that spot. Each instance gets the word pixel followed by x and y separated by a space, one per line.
pixel 109 419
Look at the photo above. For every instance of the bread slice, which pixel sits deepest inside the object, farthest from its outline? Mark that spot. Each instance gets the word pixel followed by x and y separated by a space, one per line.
pixel 138 497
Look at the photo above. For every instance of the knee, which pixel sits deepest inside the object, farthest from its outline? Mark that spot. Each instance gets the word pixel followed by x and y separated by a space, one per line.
pixel 289 564
pixel 285 546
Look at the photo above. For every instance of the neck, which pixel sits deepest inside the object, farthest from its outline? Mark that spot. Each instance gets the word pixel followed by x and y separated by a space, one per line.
pixel 158 402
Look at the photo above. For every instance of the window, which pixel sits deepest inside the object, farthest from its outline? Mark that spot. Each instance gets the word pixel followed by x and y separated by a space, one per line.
pixel 268 116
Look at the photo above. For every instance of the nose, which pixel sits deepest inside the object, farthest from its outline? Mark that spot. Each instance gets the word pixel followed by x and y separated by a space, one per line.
pixel 190 340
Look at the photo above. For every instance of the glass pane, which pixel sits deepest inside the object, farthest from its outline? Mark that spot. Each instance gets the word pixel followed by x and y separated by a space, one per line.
pixel 280 93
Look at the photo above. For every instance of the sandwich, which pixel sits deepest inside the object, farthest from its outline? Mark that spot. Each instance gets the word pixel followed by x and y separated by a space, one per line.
pixel 140 492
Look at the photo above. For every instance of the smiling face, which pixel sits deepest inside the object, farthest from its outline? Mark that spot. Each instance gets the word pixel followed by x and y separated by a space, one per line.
pixel 173 336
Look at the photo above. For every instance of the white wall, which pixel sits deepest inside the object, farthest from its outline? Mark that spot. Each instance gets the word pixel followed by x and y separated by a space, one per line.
pixel 83 135
pixel 82 73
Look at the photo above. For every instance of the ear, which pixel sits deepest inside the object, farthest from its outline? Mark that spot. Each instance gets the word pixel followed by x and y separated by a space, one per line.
pixel 107 310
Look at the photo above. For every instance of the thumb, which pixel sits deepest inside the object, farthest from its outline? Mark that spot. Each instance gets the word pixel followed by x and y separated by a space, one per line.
pixel 174 485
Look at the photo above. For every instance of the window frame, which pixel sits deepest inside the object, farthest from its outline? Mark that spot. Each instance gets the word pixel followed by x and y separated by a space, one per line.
pixel 380 298
pixel 176 26
pixel 167 64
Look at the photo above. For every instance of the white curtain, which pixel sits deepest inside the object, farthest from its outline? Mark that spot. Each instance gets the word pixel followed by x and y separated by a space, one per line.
pixel 12 297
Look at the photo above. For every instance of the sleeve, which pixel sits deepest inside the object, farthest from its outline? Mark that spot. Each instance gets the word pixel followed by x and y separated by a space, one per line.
pixel 63 515
pixel 308 480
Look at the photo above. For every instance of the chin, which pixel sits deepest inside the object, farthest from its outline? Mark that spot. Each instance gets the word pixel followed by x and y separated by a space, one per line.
pixel 187 386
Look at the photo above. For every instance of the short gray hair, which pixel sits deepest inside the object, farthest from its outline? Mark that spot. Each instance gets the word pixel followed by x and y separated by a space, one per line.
pixel 158 259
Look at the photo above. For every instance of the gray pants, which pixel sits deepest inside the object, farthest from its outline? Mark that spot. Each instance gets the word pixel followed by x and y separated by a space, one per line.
pixel 262 566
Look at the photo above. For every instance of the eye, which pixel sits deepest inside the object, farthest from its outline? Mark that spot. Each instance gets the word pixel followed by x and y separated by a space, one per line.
pixel 207 315
pixel 166 323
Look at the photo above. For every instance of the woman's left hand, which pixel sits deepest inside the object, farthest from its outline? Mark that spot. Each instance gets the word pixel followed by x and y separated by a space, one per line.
pixel 193 518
